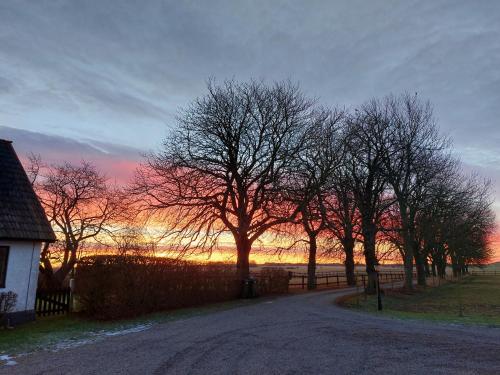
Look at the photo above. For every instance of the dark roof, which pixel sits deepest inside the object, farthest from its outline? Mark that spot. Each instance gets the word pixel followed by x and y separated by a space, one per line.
pixel 21 214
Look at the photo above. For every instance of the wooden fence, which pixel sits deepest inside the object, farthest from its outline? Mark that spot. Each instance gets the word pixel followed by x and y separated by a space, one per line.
pixel 53 302
pixel 339 279
pixel 484 273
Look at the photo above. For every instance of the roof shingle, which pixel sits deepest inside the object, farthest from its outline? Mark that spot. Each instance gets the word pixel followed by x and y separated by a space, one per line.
pixel 21 214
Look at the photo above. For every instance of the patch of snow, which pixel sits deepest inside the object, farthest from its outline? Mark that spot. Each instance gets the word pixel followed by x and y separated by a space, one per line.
pixel 68 344
pixel 8 360
pixel 96 336
pixel 126 331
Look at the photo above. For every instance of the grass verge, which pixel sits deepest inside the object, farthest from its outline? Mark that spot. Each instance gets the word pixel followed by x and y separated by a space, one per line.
pixel 472 300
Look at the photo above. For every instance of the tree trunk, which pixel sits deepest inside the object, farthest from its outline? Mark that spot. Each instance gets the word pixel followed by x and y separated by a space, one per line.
pixel 454 266
pixel 243 247
pixel 419 263
pixel 65 269
pixel 427 268
pixel 407 256
pixel 348 244
pixel 408 266
pixel 369 233
pixel 48 278
pixel 311 265
pixel 441 267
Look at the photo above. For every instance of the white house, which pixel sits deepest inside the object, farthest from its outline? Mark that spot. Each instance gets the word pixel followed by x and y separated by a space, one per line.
pixel 23 228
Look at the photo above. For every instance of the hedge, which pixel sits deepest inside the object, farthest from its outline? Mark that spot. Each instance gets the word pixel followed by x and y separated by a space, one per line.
pixel 112 287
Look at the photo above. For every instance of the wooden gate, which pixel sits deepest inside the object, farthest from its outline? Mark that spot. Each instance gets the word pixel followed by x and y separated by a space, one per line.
pixel 52 302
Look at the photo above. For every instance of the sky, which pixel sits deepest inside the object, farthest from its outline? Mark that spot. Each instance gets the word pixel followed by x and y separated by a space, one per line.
pixel 104 80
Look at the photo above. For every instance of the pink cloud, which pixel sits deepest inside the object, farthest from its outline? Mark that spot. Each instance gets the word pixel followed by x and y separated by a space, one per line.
pixel 116 161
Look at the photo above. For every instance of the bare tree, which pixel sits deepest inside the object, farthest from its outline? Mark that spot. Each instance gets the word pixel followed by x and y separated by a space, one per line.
pixel 411 160
pixel 457 222
pixel 80 205
pixel 469 230
pixel 221 170
pixel 343 218
pixel 132 240
pixel 33 167
pixel 309 177
pixel 366 137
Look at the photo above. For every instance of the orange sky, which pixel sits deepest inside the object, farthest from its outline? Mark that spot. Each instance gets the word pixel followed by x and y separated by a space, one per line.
pixel 121 170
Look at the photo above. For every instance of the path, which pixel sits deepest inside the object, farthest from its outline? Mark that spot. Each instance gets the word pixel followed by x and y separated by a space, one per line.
pixel 300 334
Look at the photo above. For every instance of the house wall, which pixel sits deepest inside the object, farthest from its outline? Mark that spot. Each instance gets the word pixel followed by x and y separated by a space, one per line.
pixel 22 272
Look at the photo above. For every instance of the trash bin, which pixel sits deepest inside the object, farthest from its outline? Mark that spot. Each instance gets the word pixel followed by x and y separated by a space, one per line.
pixel 249 289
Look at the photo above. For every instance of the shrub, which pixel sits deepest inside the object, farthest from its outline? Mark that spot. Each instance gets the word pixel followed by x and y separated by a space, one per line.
pixel 272 281
pixel 8 301
pixel 110 287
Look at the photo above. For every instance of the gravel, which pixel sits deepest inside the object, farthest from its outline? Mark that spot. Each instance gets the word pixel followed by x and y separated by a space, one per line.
pixel 300 334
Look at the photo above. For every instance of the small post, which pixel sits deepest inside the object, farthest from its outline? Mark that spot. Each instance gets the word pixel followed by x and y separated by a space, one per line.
pixel 71 290
pixel 379 296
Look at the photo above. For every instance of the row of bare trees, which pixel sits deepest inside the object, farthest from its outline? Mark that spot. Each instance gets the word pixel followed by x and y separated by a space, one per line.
pixel 256 161
pixel 250 159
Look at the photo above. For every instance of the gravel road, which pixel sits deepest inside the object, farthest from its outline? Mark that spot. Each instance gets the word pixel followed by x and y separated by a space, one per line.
pixel 300 334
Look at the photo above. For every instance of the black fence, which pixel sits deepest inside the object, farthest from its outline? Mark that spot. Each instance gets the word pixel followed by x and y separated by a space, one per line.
pixel 53 302
pixel 339 279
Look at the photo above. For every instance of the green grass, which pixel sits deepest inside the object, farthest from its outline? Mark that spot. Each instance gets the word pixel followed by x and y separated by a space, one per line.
pixel 49 332
pixel 472 300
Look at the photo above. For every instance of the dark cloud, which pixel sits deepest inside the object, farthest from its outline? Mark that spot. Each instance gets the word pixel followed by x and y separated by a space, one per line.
pixel 132 63
pixel 118 71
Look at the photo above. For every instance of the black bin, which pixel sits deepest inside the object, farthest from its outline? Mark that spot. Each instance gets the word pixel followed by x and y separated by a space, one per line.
pixel 249 289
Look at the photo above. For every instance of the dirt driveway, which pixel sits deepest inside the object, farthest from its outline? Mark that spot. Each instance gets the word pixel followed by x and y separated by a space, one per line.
pixel 300 334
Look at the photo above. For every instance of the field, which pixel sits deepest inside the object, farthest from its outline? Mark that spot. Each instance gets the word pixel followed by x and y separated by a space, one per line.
pixel 337 267
pixel 302 268
pixel 472 300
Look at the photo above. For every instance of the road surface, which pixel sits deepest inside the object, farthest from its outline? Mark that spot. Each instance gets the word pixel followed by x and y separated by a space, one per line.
pixel 299 334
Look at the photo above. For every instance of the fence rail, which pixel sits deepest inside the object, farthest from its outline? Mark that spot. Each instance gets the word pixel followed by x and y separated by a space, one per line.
pixel 53 302
pixel 484 273
pixel 339 279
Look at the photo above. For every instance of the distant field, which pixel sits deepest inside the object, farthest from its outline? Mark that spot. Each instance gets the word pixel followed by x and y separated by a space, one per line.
pixel 473 300
pixel 302 268
pixel 490 267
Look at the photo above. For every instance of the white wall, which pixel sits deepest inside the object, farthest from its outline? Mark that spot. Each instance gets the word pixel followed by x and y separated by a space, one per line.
pixel 24 258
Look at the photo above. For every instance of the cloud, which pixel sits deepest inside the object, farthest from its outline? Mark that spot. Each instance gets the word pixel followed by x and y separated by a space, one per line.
pixel 118 71
pixel 111 67
pixel 116 161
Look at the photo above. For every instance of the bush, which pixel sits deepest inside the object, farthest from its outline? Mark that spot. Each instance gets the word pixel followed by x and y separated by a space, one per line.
pixel 8 301
pixel 272 281
pixel 110 287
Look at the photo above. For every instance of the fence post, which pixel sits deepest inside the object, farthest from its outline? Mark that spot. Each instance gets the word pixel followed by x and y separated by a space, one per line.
pixel 71 290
